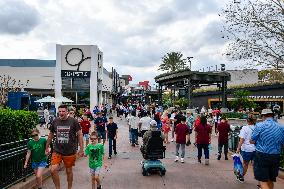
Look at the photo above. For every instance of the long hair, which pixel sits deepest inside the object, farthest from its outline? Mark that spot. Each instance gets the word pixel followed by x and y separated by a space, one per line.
pixel 203 120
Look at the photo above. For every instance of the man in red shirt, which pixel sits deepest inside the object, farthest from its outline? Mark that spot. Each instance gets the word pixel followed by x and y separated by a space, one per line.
pixel 182 136
pixel 85 125
pixel 223 128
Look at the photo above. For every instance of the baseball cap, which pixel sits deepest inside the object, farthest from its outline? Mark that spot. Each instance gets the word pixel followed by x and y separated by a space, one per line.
pixel 153 123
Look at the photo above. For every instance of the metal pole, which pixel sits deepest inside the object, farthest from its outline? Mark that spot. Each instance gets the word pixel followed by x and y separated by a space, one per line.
pixel 189 88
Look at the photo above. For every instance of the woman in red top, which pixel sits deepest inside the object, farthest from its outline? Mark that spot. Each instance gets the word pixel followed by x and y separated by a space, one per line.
pixel 202 135
pixel 223 128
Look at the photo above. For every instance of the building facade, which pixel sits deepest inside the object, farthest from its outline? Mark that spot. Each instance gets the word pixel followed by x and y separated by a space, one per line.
pixel 77 73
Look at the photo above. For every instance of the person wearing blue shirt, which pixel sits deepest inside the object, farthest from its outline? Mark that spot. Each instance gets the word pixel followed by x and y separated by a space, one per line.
pixel 268 137
pixel 100 123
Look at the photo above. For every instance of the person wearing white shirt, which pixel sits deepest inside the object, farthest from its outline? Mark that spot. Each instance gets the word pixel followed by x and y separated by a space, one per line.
pixel 46 117
pixel 133 128
pixel 144 123
pixel 245 147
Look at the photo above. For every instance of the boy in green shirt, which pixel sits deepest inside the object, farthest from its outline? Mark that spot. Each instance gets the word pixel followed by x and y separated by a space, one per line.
pixel 95 151
pixel 36 150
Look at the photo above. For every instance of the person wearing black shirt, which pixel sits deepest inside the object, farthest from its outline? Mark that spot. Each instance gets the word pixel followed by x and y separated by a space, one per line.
pixel 112 136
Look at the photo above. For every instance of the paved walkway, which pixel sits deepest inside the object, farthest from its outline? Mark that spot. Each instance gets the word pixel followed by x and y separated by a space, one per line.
pixel 124 170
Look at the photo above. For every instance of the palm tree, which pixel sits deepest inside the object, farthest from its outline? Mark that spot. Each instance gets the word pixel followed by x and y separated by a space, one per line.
pixel 172 61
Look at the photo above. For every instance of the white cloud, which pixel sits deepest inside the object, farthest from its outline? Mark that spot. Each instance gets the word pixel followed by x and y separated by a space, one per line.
pixel 133 35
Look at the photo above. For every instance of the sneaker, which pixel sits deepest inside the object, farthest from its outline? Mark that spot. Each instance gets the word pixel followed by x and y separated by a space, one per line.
pixel 206 161
pixel 219 157
pixel 241 179
pixel 181 160
pixel 176 160
pixel 172 140
pixel 115 153
pixel 109 157
pixel 199 160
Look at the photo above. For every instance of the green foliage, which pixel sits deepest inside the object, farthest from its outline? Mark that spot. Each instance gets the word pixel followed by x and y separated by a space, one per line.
pixel 271 75
pixel 182 102
pixel 167 99
pixel 241 100
pixel 16 124
pixel 173 62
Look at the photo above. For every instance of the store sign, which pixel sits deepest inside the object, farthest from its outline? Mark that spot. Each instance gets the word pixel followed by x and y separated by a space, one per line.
pixel 76 57
pixel 75 74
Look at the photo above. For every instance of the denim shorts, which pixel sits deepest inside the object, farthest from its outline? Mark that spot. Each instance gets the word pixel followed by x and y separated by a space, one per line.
pixel 101 134
pixel 36 165
pixel 86 136
pixel 247 156
pixel 96 171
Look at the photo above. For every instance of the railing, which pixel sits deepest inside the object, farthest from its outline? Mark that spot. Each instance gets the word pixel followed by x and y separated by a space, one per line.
pixel 12 159
pixel 234 141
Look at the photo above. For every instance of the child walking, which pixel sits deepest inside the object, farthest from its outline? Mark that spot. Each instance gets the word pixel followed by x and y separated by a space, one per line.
pixel 36 150
pixel 95 151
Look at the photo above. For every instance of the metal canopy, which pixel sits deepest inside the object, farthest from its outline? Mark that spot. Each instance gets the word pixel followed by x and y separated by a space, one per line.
pixel 189 79
pixel 194 76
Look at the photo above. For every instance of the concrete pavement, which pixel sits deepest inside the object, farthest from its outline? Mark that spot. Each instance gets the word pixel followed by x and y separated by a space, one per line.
pixel 124 170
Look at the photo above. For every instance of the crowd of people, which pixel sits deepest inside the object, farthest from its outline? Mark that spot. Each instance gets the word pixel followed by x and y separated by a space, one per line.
pixel 260 142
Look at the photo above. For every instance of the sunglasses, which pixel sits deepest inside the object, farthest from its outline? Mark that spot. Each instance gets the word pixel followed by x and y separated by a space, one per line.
pixel 35 135
pixel 93 138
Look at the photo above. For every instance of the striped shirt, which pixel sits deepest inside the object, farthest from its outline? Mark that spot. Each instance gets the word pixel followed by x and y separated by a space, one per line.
pixel 268 136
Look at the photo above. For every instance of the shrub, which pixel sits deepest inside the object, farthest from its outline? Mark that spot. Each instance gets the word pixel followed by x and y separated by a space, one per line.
pixel 16 124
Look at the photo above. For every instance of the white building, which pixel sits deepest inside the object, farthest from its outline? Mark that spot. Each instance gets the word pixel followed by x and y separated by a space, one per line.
pixel 77 73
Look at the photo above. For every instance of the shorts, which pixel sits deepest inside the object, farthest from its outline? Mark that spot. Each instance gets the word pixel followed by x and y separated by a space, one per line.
pixel 248 156
pixel 266 166
pixel 68 161
pixel 86 136
pixel 101 134
pixel 96 171
pixel 36 165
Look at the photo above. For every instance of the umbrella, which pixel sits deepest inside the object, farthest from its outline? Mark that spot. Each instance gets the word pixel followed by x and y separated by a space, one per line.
pixel 62 99
pixel 46 99
pixel 52 99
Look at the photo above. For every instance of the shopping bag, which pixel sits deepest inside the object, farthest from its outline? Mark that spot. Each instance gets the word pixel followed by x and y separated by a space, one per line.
pixel 238 166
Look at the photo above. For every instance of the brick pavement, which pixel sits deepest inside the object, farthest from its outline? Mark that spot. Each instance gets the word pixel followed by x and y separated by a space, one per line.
pixel 124 170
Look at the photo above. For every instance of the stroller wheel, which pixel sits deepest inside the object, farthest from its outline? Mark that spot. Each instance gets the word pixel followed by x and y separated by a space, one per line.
pixel 144 172
pixel 162 173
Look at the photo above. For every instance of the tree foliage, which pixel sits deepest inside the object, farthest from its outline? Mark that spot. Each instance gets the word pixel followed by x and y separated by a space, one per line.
pixel 9 84
pixel 255 29
pixel 242 101
pixel 172 61
pixel 270 75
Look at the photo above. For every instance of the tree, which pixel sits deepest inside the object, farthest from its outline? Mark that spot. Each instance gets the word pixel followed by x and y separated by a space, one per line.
pixel 173 62
pixel 242 101
pixel 9 84
pixel 270 75
pixel 255 29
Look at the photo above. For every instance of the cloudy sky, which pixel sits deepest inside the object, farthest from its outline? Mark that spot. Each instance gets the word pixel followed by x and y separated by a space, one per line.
pixel 133 34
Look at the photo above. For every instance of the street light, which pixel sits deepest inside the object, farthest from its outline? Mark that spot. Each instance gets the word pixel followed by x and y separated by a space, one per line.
pixel 188 59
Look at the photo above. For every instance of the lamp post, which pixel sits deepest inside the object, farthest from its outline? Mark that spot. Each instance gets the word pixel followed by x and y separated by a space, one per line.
pixel 188 59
